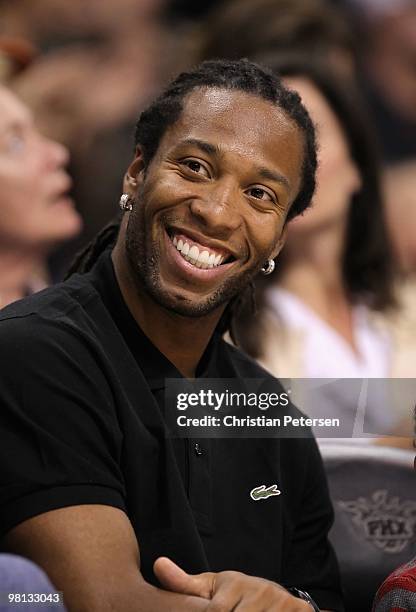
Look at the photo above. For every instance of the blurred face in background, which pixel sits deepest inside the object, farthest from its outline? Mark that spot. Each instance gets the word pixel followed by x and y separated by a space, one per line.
pixel 400 201
pixel 79 18
pixel 392 57
pixel 35 210
pixel 337 176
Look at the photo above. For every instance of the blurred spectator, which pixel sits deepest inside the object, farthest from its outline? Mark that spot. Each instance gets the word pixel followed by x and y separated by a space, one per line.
pixel 388 47
pixel 243 28
pixel 345 36
pixel 400 200
pixel 183 10
pixel 104 60
pixel 398 591
pixel 330 311
pixel 36 213
pixel 333 311
pixel 15 55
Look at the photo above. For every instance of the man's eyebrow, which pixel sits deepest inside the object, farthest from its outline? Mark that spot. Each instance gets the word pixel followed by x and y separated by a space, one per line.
pixel 207 147
pixel 211 149
pixel 273 176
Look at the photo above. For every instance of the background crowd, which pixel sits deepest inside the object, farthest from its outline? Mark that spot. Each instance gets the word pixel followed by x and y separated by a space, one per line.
pixel 90 68
pixel 345 281
pixel 342 301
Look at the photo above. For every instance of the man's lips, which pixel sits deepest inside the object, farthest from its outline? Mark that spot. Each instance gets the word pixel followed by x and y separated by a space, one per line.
pixel 189 269
pixel 203 243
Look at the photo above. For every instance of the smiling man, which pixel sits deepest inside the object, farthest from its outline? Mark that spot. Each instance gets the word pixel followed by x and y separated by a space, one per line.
pixel 92 489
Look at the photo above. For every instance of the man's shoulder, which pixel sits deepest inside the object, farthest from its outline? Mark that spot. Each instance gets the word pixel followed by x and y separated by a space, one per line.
pixel 53 312
pixel 54 336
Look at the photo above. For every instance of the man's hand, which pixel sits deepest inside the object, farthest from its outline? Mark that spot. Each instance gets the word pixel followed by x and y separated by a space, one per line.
pixel 229 591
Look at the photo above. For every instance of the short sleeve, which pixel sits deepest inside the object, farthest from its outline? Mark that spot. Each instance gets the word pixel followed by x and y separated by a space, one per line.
pixel 313 566
pixel 60 439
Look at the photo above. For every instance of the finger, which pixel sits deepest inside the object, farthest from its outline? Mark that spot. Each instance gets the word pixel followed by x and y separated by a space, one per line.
pixel 173 578
pixel 226 599
pixel 285 605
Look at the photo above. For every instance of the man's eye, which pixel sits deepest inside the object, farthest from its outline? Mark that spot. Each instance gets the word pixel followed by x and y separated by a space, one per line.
pixel 196 166
pixel 259 194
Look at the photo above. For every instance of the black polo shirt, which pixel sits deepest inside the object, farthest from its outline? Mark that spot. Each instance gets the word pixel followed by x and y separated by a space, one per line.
pixel 82 422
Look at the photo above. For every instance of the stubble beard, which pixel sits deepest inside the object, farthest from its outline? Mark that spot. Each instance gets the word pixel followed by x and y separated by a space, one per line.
pixel 144 260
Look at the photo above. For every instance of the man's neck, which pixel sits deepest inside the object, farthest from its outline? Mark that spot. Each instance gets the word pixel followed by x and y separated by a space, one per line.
pixel 181 339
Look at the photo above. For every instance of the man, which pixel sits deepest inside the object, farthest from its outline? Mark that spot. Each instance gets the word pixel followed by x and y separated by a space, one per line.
pixel 93 490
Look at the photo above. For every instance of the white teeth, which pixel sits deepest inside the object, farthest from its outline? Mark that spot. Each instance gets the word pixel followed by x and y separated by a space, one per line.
pixel 194 253
pixel 205 259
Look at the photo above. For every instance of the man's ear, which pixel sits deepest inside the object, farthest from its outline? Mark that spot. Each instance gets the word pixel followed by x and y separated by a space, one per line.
pixel 280 243
pixel 135 173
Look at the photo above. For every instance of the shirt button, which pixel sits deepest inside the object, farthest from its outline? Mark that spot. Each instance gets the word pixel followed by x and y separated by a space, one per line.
pixel 198 449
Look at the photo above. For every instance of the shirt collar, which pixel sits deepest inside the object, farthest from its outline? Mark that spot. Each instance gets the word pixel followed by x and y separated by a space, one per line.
pixel 155 366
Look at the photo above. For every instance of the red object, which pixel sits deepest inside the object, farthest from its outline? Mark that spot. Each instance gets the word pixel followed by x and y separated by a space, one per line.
pixel 398 591
pixel 18 51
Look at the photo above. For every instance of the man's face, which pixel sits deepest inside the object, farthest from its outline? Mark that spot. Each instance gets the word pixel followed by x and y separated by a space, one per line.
pixel 210 208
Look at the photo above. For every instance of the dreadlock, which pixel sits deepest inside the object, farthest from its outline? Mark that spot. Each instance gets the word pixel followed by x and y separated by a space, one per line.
pixel 85 259
pixel 241 75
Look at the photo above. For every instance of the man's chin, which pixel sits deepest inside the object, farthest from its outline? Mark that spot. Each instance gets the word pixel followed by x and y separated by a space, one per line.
pixel 188 307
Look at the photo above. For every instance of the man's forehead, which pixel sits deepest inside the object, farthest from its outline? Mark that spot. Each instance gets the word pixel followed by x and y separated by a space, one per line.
pixel 219 113
pixel 221 103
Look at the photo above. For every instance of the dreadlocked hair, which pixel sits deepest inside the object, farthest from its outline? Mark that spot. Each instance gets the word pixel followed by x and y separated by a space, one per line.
pixel 85 259
pixel 239 75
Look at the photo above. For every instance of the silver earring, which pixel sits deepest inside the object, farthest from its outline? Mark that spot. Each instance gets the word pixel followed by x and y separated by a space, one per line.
pixel 126 202
pixel 268 267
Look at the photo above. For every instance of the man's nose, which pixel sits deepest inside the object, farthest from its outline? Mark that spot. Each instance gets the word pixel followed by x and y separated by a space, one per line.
pixel 219 210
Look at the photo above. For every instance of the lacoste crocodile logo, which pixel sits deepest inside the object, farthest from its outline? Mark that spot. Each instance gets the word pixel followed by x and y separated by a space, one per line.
pixel 263 492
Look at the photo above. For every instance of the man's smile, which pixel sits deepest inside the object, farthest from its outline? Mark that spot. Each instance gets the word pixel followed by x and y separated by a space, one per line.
pixel 196 260
pixel 197 255
pixel 201 251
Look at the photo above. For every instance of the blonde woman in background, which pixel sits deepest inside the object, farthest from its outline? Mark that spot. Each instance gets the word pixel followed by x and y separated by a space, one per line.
pixel 36 212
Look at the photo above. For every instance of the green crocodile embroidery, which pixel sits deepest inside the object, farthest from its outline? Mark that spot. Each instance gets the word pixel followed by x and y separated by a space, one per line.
pixel 262 492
